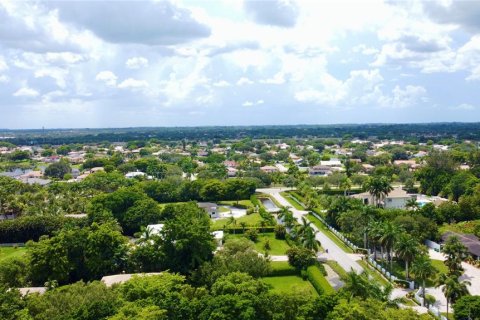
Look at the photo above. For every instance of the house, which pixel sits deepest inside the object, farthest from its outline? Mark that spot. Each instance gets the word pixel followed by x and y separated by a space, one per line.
pixel 396 199
pixel 210 207
pixel 121 278
pixel 230 164
pixel 469 240
pixel 231 172
pixel 155 229
pixel 411 164
pixel 131 175
pixel 331 163
pixel 269 169
pixel 218 235
pixel 320 171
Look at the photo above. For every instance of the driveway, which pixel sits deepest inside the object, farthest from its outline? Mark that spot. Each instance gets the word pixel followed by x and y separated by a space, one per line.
pixel 335 253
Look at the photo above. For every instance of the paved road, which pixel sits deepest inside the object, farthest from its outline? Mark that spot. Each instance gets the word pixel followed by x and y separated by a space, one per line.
pixel 345 260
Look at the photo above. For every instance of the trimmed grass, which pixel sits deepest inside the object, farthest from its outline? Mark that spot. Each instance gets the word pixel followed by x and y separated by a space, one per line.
pixel 278 247
pixel 245 203
pixel 251 220
pixel 281 266
pixel 460 227
pixel 328 233
pixel 373 273
pixel 290 200
pixel 289 284
pixel 399 270
pixel 11 252
pixel 337 268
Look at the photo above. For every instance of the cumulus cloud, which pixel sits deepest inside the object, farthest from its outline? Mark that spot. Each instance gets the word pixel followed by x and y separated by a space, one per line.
pixel 252 103
pixel 108 77
pixel 464 106
pixel 151 23
pixel 244 81
pixel 464 13
pixel 131 83
pixel 136 63
pixel 26 92
pixel 281 13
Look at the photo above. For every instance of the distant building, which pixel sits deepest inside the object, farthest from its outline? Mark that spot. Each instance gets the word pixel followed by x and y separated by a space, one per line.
pixel 210 207
pixel 320 171
pixel 396 199
pixel 269 169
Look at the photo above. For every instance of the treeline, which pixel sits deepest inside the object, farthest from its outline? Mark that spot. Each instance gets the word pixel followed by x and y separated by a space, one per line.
pixel 422 132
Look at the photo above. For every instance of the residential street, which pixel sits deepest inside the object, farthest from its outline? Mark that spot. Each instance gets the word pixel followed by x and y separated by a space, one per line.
pixel 346 261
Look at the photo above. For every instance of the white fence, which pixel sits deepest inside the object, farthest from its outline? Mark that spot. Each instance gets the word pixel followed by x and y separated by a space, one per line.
pixel 337 233
pixel 434 310
pixel 388 275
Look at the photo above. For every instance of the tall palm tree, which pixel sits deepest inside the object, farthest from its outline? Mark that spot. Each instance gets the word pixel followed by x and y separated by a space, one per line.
pixel 453 288
pixel 423 270
pixel 455 252
pixel 406 249
pixel 309 240
pixel 357 285
pixel 284 211
pixel 379 187
pixel 389 233
pixel 346 185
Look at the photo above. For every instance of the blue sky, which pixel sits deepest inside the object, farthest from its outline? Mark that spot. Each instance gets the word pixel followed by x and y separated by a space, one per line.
pixel 227 62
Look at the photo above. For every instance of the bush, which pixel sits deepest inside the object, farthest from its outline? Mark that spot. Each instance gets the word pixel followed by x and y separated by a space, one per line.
pixel 318 281
pixel 280 232
pixel 28 228
pixel 252 234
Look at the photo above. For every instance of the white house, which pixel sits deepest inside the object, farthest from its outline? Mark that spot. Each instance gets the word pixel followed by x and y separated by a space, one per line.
pixel 218 235
pixel 320 171
pixel 210 208
pixel 396 199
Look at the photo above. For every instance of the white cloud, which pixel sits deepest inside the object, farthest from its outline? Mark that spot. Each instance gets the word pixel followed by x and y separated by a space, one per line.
pixel 221 84
pixel 108 77
pixel 464 106
pixel 4 78
pixel 136 63
pixel 282 13
pixel 253 103
pixel 26 92
pixel 244 81
pixel 3 64
pixel 131 83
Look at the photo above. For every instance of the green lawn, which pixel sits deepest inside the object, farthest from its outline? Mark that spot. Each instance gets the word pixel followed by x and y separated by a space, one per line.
pixel 252 220
pixel 245 203
pixel 290 200
pixel 288 284
pixel 278 247
pixel 282 266
pixel 328 233
pixel 460 227
pixel 337 268
pixel 11 252
pixel 399 270
pixel 373 273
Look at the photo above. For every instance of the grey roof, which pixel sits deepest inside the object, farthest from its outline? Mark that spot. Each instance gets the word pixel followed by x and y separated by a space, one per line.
pixel 207 205
pixel 469 240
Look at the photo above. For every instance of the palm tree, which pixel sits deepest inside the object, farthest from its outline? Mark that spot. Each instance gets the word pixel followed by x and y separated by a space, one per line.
pixel 411 204
pixel 387 240
pixel 309 240
pixel 284 211
pixel 406 249
pixel 302 227
pixel 378 187
pixel 453 289
pixel 357 285
pixel 346 185
pixel 232 221
pixel 243 224
pixel 423 269
pixel 456 252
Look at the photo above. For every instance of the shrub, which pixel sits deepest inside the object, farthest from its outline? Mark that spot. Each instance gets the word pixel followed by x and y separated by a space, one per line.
pixel 280 232
pixel 318 281
pixel 252 234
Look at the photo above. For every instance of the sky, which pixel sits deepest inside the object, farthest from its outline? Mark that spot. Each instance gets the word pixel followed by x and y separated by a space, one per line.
pixel 86 64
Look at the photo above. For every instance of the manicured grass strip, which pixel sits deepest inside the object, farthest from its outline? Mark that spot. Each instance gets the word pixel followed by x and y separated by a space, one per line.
pixel 11 252
pixel 373 273
pixel 318 281
pixel 289 284
pixel 251 220
pixel 277 247
pixel 328 233
pixel 291 200
pixel 282 268
pixel 241 203
pixel 337 268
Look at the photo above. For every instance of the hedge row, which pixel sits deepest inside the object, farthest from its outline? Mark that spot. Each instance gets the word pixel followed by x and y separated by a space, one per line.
pixel 282 269
pixel 28 228
pixel 239 230
pixel 318 281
